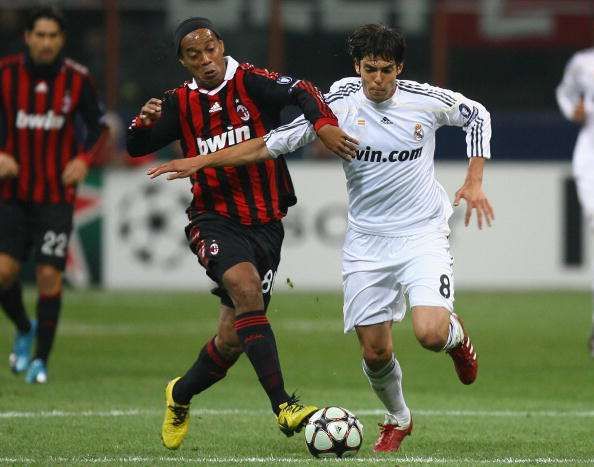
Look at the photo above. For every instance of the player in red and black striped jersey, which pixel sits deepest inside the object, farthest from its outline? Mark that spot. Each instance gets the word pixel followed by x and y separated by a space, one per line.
pixel 42 159
pixel 235 215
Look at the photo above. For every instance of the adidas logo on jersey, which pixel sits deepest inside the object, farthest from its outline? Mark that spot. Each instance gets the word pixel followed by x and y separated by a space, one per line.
pixel 386 121
pixel 228 138
pixel 47 121
pixel 216 107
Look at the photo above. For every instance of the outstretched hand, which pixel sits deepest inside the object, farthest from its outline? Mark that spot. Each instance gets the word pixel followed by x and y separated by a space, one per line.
pixel 338 141
pixel 475 197
pixel 178 168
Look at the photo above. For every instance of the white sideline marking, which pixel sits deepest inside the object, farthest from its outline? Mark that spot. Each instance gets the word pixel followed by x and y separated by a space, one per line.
pixel 219 412
pixel 291 460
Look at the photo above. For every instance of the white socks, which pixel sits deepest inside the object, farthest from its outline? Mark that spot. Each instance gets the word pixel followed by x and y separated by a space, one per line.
pixel 456 334
pixel 387 385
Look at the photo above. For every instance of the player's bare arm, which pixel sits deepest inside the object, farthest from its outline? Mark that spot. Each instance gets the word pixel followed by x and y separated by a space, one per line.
pixel 75 171
pixel 248 152
pixel 8 166
pixel 472 192
pixel 337 141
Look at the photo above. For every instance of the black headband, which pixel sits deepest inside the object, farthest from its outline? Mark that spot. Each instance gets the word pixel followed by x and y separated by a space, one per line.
pixel 189 25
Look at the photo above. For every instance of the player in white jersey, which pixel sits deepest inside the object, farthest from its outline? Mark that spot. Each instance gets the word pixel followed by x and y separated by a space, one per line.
pixel 575 95
pixel 396 245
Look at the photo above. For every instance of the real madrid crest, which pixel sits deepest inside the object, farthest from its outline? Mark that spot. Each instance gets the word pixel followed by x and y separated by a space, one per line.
pixel 419 132
pixel 243 112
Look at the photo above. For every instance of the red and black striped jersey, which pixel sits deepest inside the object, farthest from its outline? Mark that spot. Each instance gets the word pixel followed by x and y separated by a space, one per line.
pixel 246 105
pixel 39 108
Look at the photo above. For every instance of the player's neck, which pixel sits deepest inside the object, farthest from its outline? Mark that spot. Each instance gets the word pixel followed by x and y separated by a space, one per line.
pixel 43 70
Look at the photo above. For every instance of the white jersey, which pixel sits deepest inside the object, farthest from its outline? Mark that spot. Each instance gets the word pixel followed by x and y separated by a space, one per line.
pixel 578 83
pixel 391 183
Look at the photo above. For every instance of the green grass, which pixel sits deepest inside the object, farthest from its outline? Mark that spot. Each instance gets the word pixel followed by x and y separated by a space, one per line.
pixel 533 401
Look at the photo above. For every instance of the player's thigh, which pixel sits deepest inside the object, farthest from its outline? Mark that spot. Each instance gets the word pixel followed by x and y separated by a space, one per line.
pixel 220 245
pixel 242 283
pixel 250 284
pixel 372 293
pixel 267 241
pixel 15 237
pixel 428 274
pixel 51 225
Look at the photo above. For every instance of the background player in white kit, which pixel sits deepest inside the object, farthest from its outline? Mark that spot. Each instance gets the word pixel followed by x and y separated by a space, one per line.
pixel 396 244
pixel 575 95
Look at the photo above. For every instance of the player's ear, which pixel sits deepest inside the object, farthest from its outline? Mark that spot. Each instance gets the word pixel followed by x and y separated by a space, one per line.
pixel 222 46
pixel 357 66
pixel 399 68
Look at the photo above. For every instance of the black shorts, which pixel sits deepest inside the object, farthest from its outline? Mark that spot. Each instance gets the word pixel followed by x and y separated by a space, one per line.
pixel 221 243
pixel 42 228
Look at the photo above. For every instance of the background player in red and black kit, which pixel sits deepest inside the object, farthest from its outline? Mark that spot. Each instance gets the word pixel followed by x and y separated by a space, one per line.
pixel 41 162
pixel 235 226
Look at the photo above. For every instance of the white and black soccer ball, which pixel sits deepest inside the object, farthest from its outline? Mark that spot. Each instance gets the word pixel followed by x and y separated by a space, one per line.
pixel 333 432
pixel 150 223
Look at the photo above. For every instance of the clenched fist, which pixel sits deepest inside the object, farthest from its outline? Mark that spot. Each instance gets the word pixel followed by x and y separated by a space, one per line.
pixel 8 166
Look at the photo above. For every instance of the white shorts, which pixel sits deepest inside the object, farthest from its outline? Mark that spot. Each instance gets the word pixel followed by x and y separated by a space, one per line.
pixel 378 272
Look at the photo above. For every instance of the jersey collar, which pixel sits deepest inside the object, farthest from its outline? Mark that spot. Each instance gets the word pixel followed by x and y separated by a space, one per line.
pixel 232 66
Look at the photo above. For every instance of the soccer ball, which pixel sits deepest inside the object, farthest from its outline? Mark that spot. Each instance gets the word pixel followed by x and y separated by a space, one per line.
pixel 333 432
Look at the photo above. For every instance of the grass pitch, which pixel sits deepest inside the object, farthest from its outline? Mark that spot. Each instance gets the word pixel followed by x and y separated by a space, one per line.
pixel 533 402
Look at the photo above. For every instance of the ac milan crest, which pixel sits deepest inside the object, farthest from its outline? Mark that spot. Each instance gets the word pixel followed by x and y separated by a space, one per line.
pixel 243 113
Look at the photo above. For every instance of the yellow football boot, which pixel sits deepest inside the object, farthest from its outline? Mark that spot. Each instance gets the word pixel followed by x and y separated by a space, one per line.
pixel 177 420
pixel 293 416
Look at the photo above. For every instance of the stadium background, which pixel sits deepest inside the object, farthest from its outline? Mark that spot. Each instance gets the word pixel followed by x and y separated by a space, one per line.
pixel 508 55
pixel 523 285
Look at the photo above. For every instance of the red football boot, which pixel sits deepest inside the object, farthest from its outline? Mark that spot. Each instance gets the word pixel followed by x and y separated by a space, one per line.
pixel 391 436
pixel 465 359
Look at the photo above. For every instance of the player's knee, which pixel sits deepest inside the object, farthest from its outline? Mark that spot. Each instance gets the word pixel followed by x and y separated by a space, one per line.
pixel 228 346
pixel 49 280
pixel 245 293
pixel 376 356
pixel 431 337
pixel 8 274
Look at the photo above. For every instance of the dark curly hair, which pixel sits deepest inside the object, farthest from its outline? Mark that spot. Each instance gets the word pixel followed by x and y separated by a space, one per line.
pixel 376 40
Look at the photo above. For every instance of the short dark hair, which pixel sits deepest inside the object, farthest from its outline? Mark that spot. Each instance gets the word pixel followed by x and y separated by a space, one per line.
pixel 46 12
pixel 376 40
